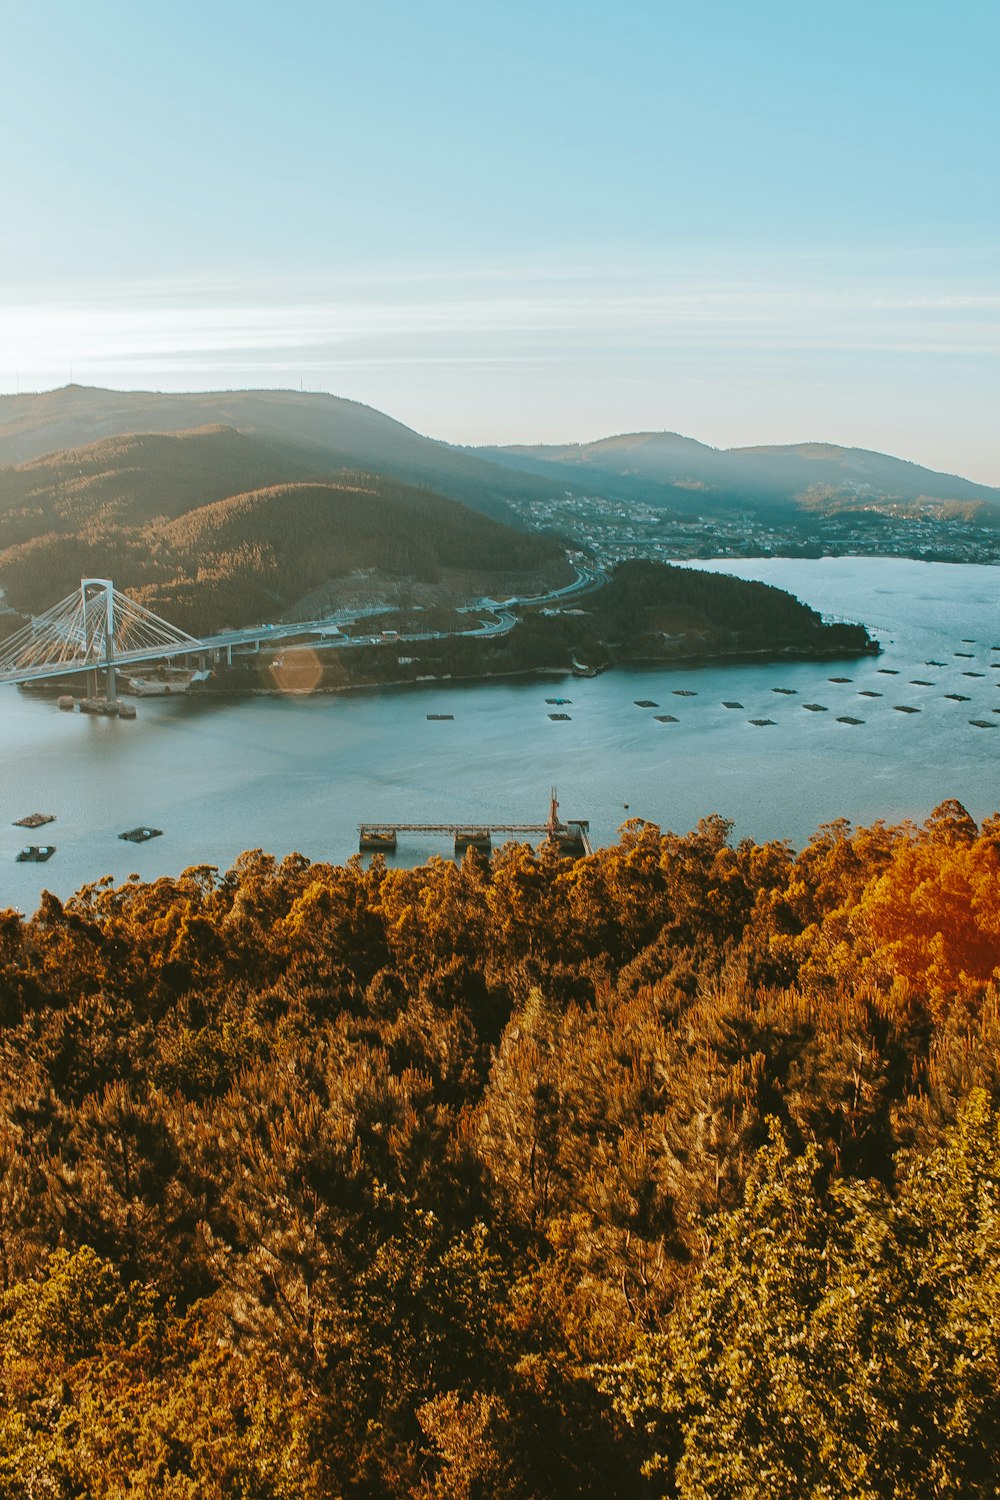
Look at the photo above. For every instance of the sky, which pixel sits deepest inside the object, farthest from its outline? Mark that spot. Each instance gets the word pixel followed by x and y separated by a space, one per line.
pixel 511 222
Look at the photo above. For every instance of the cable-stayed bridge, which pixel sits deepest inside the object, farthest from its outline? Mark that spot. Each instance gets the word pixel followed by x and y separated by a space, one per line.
pixel 99 629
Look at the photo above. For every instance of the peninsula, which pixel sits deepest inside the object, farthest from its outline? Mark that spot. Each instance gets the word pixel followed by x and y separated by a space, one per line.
pixel 645 612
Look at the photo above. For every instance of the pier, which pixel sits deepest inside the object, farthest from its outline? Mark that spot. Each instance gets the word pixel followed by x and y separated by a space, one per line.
pixel 571 837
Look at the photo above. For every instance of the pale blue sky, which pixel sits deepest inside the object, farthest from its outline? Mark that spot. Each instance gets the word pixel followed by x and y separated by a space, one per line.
pixel 506 222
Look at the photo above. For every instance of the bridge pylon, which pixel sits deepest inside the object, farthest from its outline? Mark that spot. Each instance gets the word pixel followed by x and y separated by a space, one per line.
pixel 95 630
pixel 101 597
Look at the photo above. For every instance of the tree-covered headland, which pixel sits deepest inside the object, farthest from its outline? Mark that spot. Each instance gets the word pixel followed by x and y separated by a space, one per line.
pixel 669 1171
pixel 645 612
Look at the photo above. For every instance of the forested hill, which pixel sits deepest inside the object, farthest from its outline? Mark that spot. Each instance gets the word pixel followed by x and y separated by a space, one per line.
pixel 205 527
pixel 656 610
pixel 670 1172
pixel 130 480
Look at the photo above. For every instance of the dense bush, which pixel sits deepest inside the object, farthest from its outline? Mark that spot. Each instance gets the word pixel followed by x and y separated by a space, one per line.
pixel 673 1170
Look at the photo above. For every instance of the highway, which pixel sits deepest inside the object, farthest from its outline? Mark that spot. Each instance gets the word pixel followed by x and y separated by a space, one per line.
pixel 256 637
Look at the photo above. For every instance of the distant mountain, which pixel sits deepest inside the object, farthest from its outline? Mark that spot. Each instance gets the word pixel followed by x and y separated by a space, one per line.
pixel 310 435
pixel 676 472
pixel 327 433
pixel 213 527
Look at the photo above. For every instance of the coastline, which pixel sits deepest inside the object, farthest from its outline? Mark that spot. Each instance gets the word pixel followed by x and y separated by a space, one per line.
pixel 693 660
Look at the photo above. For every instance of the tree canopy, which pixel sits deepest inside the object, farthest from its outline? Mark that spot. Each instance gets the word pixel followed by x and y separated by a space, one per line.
pixel 669 1171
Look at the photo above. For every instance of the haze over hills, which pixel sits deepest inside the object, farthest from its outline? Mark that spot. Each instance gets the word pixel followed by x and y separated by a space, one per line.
pixel 328 432
pixel 666 469
pixel 319 434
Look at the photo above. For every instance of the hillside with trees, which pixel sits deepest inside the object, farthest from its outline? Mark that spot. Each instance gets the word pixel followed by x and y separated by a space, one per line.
pixel 646 612
pixel 320 434
pixel 669 1171
pixel 651 609
pixel 324 432
pixel 212 528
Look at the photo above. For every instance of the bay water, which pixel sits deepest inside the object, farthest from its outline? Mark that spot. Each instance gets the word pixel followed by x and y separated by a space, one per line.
pixel 223 774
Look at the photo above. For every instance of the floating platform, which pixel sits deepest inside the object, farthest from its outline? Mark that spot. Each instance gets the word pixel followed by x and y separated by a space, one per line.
pixel 849 719
pixel 559 701
pixel 565 717
pixel 35 820
pixel 983 723
pixel 141 835
pixel 440 716
pixel 958 697
pixel 36 854
pixel 921 682
pixel 816 708
pixel 376 840
pixel 966 655
pixel 760 722
pixel 867 693
pixel 973 674
pixel 905 708
pixel 786 692
pixel 731 703
pixel 840 679
pixel 889 671
pixel 935 663
pixel 666 718
pixel 684 693
pixel 645 703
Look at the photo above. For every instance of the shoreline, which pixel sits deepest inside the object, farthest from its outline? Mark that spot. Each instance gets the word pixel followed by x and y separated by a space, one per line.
pixel 690 660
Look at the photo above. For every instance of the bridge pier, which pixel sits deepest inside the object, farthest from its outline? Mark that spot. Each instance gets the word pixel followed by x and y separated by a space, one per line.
pixel 479 839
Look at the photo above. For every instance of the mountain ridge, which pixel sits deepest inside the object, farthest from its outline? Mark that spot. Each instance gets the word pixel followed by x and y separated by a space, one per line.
pixel 771 476
pixel 332 430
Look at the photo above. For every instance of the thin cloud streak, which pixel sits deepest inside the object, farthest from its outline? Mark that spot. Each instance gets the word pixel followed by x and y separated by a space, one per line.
pixel 40 336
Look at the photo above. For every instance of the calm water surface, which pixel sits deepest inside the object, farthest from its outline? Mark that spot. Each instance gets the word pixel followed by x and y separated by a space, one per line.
pixel 220 776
